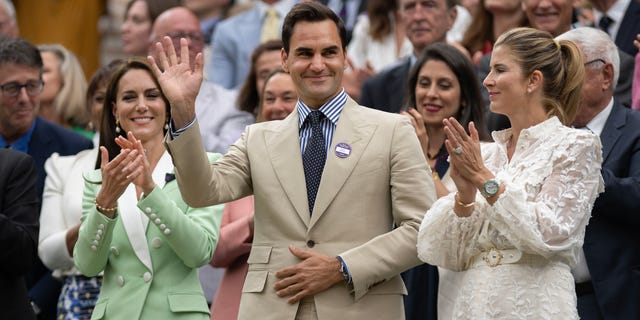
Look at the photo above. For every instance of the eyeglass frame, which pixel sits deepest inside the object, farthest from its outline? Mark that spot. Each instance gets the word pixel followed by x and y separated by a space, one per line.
pixel 193 36
pixel 20 86
pixel 594 61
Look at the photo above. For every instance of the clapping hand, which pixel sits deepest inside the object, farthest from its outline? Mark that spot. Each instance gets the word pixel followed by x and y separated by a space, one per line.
pixel 465 158
pixel 117 174
pixel 179 83
pixel 144 180
pixel 421 131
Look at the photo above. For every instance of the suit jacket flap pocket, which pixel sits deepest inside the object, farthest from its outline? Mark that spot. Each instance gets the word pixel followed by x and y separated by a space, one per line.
pixel 255 281
pixel 259 254
pixel 187 302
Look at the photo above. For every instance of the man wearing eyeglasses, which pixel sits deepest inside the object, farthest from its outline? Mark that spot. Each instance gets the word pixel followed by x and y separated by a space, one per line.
pixel 608 274
pixel 221 123
pixel 21 129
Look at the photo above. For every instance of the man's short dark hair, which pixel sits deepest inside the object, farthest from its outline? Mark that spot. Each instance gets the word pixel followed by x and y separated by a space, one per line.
pixel 311 12
pixel 19 51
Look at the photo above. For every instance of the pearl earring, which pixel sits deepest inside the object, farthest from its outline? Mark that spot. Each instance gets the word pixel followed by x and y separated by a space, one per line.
pixel 117 126
pixel 528 90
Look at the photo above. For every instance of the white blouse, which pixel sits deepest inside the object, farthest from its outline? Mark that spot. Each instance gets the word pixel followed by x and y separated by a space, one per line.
pixel 380 53
pixel 551 184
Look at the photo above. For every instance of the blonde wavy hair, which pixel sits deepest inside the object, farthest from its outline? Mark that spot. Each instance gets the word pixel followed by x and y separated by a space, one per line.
pixel 70 102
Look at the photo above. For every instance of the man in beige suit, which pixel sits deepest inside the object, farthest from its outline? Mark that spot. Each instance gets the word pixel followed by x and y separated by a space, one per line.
pixel 342 258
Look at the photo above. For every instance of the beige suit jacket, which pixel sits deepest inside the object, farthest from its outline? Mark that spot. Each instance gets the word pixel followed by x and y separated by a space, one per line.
pixel 368 208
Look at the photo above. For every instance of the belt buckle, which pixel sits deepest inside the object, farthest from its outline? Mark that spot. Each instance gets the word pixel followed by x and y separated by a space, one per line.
pixel 493 257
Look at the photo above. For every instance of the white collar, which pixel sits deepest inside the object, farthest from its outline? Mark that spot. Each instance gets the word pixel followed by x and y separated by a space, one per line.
pixel 596 125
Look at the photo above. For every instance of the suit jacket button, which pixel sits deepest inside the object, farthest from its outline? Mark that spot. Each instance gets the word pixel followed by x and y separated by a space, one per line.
pixel 146 276
pixel 115 251
pixel 311 243
pixel 156 242
pixel 120 280
pixel 94 248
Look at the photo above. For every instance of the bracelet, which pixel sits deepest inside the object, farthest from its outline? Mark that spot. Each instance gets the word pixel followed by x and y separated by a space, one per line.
pixel 103 209
pixel 436 177
pixel 462 204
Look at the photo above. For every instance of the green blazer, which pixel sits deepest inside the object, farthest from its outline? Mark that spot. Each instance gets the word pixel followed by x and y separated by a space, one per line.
pixel 150 252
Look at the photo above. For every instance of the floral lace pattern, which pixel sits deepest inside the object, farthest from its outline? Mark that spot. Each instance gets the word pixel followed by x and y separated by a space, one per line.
pixel 551 183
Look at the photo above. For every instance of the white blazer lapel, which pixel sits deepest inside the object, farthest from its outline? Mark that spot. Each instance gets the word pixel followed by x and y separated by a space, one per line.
pixel 135 224
pixel 134 221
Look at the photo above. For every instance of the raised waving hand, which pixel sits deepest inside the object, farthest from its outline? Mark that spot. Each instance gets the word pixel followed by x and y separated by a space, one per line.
pixel 179 82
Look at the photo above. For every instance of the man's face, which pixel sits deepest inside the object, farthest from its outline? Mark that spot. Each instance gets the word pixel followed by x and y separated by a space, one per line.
pixel 316 61
pixel 17 113
pixel 553 16
pixel 596 90
pixel 178 25
pixel 426 21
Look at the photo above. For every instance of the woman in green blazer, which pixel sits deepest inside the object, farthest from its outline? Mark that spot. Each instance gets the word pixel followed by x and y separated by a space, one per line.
pixel 135 226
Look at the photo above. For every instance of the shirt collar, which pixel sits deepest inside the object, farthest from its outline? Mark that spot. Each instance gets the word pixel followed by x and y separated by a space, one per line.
pixel 22 144
pixel 331 109
pixel 616 13
pixel 534 132
pixel 596 125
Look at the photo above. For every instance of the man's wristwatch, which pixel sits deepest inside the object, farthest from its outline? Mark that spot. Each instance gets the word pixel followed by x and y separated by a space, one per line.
pixel 490 188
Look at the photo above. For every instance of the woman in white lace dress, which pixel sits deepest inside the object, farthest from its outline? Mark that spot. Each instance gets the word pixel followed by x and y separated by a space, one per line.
pixel 518 218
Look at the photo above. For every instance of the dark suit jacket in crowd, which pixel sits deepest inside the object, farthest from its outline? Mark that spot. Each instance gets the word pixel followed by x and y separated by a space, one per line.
pixel 18 232
pixel 386 90
pixel 622 92
pixel 629 28
pixel 612 240
pixel 362 8
pixel 48 138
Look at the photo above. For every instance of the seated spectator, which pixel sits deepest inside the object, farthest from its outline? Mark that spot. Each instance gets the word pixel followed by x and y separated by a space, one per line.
pixel 18 231
pixel 220 122
pixel 235 39
pixel 139 17
pixel 21 129
pixel 62 100
pixel 264 60
pixel 607 275
pixel 378 37
pixel 8 23
pixel 491 20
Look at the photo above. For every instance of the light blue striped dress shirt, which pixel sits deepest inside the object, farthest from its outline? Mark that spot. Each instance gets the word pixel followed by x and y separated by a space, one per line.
pixel 331 110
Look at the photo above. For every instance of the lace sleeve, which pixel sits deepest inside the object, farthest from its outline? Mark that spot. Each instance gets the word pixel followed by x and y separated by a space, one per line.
pixel 551 217
pixel 446 240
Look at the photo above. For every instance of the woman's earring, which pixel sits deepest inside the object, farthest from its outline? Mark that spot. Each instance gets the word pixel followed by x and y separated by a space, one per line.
pixel 166 125
pixel 528 90
pixel 117 126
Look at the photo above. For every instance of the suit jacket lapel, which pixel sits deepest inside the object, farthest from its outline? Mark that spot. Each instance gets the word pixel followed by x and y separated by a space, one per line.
pixel 283 146
pixel 135 222
pixel 134 226
pixel 611 131
pixel 352 131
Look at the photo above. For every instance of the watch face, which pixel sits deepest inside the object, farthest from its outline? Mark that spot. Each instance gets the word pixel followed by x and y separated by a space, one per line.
pixel 491 187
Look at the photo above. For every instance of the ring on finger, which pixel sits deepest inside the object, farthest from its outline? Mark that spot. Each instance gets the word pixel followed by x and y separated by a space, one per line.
pixel 457 150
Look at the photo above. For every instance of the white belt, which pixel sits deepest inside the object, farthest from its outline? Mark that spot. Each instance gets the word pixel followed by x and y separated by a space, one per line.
pixel 495 257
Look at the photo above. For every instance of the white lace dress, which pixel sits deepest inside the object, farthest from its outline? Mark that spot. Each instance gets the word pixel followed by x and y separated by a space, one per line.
pixel 551 183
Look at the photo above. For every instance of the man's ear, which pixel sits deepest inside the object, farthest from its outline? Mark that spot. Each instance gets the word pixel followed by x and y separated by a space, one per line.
pixel 607 76
pixel 283 56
